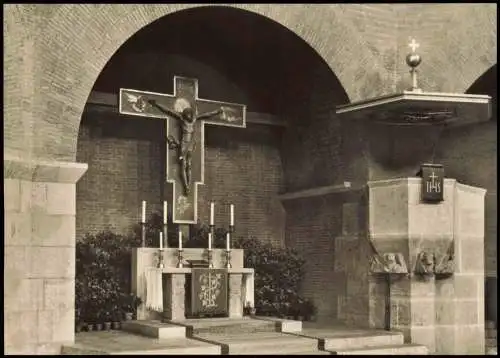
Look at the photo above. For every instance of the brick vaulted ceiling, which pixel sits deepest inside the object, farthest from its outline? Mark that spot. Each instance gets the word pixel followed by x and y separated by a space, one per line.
pixel 271 63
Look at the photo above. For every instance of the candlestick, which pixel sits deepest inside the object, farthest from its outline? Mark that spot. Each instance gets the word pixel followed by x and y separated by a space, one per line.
pixel 165 236
pixel 232 215
pixel 165 211
pixel 180 240
pixel 143 216
pixel 228 247
pixel 143 234
pixel 228 259
pixel 179 258
pixel 210 259
pixel 210 236
pixel 160 253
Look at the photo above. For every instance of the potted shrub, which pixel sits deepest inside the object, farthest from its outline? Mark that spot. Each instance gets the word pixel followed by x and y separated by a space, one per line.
pixel 295 309
pixel 116 317
pixel 250 309
pixel 308 310
pixel 91 317
pixel 99 320
pixel 116 320
pixel 130 304
pixel 107 321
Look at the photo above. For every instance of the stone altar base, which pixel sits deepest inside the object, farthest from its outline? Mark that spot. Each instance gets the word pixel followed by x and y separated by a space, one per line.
pixel 247 335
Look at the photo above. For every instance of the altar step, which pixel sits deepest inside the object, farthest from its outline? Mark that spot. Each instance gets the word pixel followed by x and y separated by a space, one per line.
pixel 248 325
pixel 261 343
pixel 124 343
pixel 404 349
pixel 247 335
pixel 266 335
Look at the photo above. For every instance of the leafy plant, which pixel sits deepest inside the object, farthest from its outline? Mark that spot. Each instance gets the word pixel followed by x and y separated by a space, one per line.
pixel 278 276
pixel 103 264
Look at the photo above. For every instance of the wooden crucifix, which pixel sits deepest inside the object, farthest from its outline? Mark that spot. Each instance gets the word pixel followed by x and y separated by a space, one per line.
pixel 185 115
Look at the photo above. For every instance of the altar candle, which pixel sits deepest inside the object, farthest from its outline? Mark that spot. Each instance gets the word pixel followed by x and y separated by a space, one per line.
pixel 210 241
pixel 161 240
pixel 228 238
pixel 180 240
pixel 232 215
pixel 165 212
pixel 212 213
pixel 143 211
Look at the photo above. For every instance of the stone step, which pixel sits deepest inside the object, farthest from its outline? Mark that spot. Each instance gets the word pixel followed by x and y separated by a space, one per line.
pixel 261 343
pixel 361 341
pixel 404 349
pixel 154 329
pixel 123 343
pixel 341 338
pixel 314 353
pixel 248 325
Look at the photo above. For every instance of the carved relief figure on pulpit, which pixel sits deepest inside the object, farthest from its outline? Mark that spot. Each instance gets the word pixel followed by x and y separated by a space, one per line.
pixel 425 263
pixel 445 263
pixel 187 143
pixel 394 263
pixel 388 263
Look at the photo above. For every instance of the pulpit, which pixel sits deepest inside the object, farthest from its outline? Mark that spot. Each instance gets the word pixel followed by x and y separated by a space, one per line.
pixel 192 291
pixel 416 263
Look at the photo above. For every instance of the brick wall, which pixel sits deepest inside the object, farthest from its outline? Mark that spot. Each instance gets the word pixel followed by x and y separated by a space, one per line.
pixel 242 166
pixel 313 155
pixel 312 226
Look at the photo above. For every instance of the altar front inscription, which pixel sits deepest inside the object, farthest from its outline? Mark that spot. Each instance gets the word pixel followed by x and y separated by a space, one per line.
pixel 209 292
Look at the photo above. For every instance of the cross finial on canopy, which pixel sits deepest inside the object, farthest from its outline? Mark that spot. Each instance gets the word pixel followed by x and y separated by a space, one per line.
pixel 414 45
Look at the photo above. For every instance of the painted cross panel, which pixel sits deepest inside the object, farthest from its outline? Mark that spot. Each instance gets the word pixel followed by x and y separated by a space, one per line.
pixel 185 115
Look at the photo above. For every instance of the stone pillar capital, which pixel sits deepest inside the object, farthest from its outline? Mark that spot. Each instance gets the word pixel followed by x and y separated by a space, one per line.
pixel 43 171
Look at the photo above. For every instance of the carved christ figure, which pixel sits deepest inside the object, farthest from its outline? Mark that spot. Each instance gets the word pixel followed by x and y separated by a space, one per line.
pixel 187 143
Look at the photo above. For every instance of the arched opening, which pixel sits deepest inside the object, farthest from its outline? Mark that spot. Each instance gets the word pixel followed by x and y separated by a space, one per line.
pixel 293 140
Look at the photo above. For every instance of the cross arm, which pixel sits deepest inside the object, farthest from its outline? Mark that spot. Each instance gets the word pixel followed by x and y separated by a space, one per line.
pixel 210 114
pixel 229 114
pixel 164 109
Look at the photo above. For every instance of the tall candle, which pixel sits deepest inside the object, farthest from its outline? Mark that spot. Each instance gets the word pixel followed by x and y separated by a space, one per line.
pixel 232 215
pixel 143 219
pixel 212 213
pixel 180 240
pixel 210 241
pixel 161 240
pixel 165 212
pixel 228 238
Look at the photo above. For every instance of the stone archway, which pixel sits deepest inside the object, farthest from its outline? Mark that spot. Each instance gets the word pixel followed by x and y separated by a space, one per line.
pixel 53 55
pixel 89 34
pixel 312 161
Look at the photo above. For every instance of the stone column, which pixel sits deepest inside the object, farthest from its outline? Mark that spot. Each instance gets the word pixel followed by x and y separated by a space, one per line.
pixel 443 312
pixel 235 295
pixel 39 268
pixel 174 297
